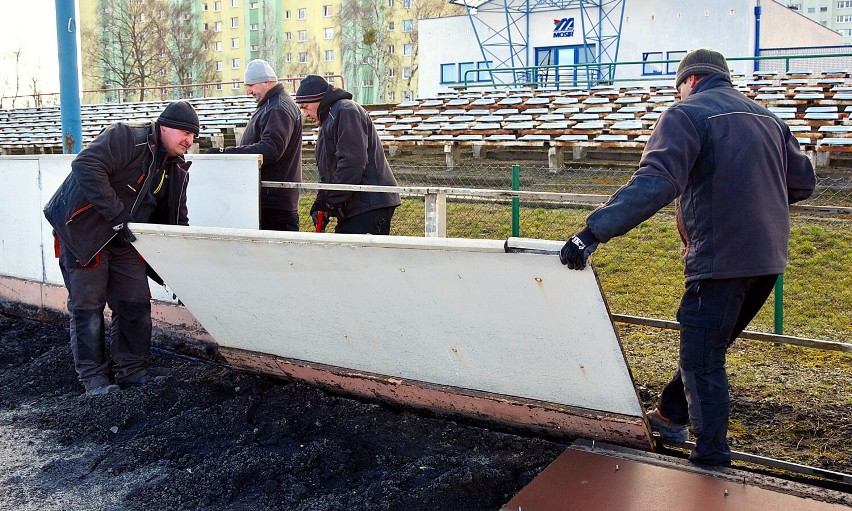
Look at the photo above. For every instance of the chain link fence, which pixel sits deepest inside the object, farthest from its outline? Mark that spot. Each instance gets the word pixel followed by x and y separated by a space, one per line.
pixel 641 273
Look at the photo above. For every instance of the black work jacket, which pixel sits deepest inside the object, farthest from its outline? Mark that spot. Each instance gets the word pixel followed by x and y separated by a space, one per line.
pixel 115 174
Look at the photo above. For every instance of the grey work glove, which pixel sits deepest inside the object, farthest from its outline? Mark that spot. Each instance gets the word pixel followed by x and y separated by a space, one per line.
pixel 577 250
pixel 119 225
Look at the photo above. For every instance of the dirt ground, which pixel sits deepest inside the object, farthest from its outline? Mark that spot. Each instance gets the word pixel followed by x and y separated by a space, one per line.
pixel 212 438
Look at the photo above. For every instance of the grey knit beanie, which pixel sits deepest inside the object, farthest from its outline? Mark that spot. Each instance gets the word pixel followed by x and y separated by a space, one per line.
pixel 259 71
pixel 181 116
pixel 702 61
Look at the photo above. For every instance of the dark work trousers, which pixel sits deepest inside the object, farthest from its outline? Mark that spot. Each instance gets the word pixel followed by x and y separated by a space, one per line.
pixel 278 220
pixel 376 221
pixel 712 314
pixel 116 277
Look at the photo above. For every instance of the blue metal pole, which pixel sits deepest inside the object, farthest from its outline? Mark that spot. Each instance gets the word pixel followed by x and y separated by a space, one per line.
pixel 69 83
pixel 757 11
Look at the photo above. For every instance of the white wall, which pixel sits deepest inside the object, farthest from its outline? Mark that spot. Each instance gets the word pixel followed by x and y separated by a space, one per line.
pixel 223 192
pixel 648 26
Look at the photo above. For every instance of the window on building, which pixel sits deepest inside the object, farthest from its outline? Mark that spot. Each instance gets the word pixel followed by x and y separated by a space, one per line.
pixel 406 72
pixel 844 4
pixel 329 55
pixel 407 49
pixel 823 9
pixel 389 3
pixel 327 11
pixel 301 14
pixel 483 73
pixel 407 95
pixel 652 69
pixel 390 26
pixel 204 7
pixel 328 33
pixel 255 47
pixel 254 27
pixel 448 73
pixel 288 57
pixel 407 25
pixel 391 95
pixel 217 6
pixel 406 4
pixel 235 42
pixel 844 18
pixel 303 57
pixel 811 10
pixel 845 32
pixel 217 46
pixel 302 35
pixel 391 72
pixel 368 82
pixel 252 5
pixel 464 67
pixel 287 14
pixel 219 65
pixel 235 3
pixel 288 36
pixel 236 84
pixel 671 67
pixel 235 22
pixel 235 63
pixel 218 86
pixel 389 50
pixel 217 26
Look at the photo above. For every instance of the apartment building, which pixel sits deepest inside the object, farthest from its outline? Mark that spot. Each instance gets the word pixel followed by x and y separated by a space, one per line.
pixel 369 47
pixel 834 14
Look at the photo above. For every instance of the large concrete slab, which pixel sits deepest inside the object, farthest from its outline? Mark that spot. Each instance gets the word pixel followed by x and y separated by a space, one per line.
pixel 453 312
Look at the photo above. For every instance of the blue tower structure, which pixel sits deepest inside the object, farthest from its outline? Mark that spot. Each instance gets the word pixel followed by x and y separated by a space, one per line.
pixel 502 29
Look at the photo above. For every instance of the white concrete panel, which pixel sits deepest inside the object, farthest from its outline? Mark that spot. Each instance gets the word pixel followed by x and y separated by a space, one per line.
pixel 53 170
pixel 20 229
pixel 224 190
pixel 454 312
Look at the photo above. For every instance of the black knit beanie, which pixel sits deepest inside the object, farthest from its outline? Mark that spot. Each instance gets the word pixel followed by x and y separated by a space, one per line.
pixel 701 62
pixel 312 88
pixel 180 115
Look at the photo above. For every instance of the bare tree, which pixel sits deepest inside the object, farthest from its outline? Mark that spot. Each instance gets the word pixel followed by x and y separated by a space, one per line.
pixel 144 43
pixel 365 45
pixel 187 46
pixel 425 9
pixel 270 47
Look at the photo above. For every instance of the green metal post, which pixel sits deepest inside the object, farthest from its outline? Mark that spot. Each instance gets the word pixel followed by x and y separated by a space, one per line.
pixel 779 305
pixel 516 201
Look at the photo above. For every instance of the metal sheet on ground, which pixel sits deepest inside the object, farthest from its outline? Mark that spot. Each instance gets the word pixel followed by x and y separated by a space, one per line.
pixel 453 312
pixel 585 481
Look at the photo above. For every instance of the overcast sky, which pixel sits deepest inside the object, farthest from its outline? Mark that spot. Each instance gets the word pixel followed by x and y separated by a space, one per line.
pixel 29 26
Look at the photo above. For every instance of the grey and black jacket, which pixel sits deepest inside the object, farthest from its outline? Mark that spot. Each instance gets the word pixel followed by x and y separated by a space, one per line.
pixel 349 152
pixel 733 167
pixel 275 131
pixel 114 174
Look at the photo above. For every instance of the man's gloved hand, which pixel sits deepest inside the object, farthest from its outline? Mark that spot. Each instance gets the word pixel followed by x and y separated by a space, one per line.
pixel 325 219
pixel 119 225
pixel 215 150
pixel 577 250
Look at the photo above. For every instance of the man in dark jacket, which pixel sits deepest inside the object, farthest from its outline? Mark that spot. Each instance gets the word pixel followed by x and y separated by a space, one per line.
pixel 348 152
pixel 275 132
pixel 734 168
pixel 129 173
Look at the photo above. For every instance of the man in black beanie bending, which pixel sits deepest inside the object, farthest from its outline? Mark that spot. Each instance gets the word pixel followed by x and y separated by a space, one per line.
pixel 732 168
pixel 129 173
pixel 348 152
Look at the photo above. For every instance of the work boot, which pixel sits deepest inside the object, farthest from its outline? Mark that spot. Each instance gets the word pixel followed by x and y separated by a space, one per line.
pixel 101 390
pixel 669 431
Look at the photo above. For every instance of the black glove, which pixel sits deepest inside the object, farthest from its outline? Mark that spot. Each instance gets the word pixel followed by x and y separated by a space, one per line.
pixel 119 225
pixel 577 250
pixel 325 219
pixel 215 150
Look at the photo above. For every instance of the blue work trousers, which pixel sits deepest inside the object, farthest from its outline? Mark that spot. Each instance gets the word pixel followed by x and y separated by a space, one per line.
pixel 712 313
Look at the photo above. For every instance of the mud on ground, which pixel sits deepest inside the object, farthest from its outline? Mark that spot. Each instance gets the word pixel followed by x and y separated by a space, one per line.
pixel 212 438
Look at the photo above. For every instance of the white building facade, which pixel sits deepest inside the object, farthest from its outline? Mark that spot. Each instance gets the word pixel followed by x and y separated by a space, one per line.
pixel 652 30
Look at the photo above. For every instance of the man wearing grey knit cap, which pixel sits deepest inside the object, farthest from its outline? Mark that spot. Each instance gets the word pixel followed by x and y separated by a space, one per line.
pixel 732 168
pixel 275 132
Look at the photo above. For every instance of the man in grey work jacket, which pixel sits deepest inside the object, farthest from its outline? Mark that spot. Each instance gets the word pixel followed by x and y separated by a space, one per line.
pixel 275 132
pixel 348 152
pixel 734 168
pixel 129 173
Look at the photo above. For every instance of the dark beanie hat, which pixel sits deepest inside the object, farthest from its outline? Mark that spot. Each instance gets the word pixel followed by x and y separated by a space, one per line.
pixel 312 88
pixel 180 115
pixel 701 62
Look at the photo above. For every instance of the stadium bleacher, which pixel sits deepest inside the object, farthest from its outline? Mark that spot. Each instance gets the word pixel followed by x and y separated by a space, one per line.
pixel 816 106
